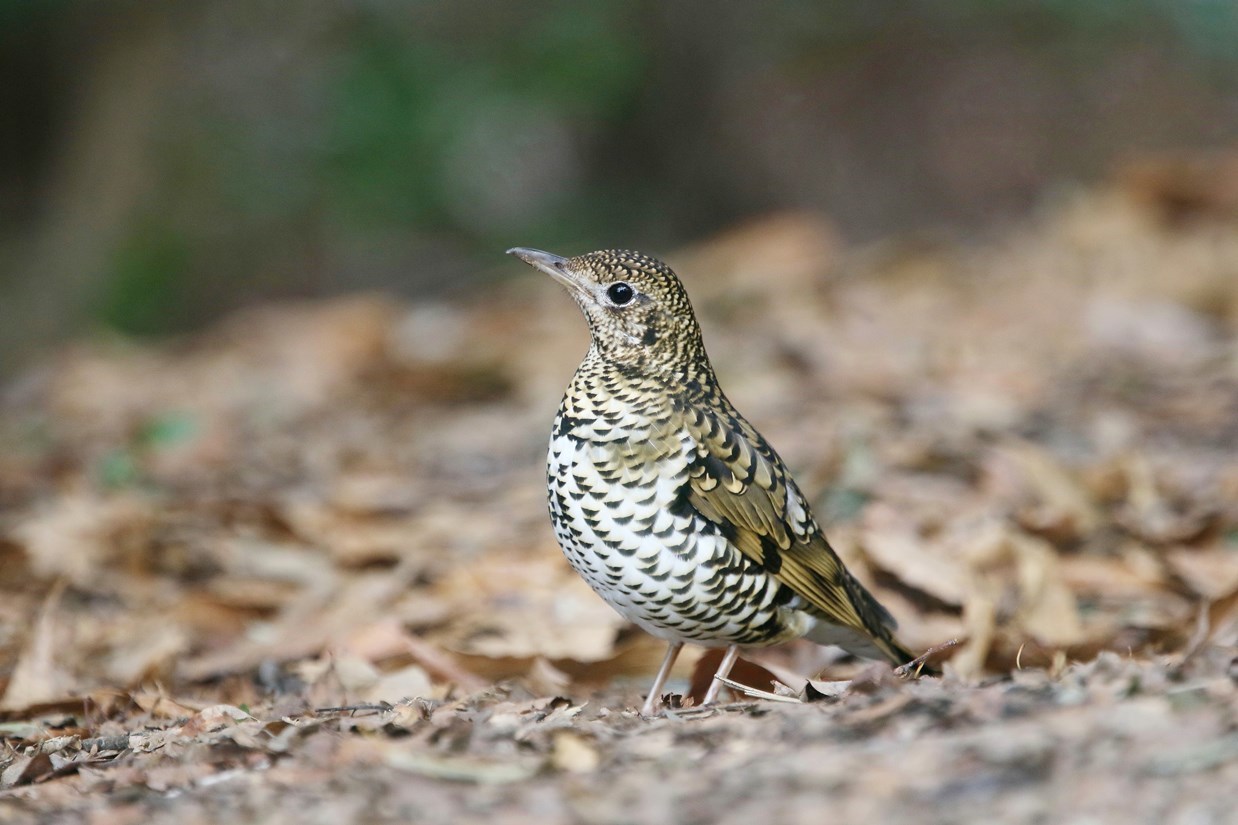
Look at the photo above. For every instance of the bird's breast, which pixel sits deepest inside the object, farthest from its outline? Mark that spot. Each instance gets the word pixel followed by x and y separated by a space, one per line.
pixel 616 497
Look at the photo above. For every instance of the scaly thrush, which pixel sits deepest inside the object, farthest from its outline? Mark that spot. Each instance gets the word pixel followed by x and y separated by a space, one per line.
pixel 670 504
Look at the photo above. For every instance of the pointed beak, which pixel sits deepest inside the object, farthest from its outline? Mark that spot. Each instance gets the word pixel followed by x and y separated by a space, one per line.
pixel 552 265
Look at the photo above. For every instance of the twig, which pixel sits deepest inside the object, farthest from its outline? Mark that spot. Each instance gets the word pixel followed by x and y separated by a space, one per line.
pixel 914 667
pixel 746 690
pixel 107 743
pixel 380 707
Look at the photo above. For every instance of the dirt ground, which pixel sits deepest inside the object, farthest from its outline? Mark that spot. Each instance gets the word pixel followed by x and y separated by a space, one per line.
pixel 297 568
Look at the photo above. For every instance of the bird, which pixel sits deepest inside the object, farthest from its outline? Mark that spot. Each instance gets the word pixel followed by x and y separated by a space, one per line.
pixel 673 508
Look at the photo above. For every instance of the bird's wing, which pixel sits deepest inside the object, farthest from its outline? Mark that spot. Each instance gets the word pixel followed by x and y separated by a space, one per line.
pixel 740 484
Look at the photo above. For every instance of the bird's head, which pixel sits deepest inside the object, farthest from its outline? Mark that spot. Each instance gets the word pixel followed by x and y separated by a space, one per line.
pixel 638 311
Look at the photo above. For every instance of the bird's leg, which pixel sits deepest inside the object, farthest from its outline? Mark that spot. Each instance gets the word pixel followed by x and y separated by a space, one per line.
pixel 724 670
pixel 655 693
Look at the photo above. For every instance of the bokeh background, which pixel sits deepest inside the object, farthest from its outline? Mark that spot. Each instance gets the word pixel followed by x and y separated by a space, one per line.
pixel 274 404
pixel 163 163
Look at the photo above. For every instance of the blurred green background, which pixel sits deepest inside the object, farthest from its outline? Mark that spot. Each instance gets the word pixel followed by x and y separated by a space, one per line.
pixel 162 163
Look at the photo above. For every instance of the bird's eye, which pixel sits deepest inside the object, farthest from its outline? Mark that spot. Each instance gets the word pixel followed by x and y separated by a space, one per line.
pixel 620 293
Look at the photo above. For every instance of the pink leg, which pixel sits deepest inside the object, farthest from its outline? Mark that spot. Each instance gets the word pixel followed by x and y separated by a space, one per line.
pixel 724 670
pixel 655 693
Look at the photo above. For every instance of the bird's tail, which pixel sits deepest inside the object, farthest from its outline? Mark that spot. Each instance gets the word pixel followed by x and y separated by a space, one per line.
pixel 875 640
pixel 896 653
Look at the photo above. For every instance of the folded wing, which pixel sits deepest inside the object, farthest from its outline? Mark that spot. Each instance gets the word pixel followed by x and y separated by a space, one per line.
pixel 740 484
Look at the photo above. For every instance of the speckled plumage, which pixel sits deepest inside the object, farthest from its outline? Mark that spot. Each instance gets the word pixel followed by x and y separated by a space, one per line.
pixel 670 505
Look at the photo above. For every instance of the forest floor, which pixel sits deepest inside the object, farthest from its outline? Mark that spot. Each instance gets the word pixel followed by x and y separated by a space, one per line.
pixel 297 567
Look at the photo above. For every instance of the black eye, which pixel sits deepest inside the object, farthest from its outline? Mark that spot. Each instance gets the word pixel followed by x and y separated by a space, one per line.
pixel 620 293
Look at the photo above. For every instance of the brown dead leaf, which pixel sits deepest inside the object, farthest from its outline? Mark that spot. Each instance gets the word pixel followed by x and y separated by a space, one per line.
pixel 26 769
pixel 573 753
pixel 1212 572
pixel 305 626
pixel 1047 608
pixel 213 718
pixel 354 674
pixel 440 663
pixel 73 537
pixel 1222 616
pixel 544 678
pixel 410 682
pixel 1108 577
pixel 816 690
pixel 547 610
pixel 980 625
pixel 380 639
pixel 1051 485
pixel 37 677
pixel 160 706
pixel 891 540
pixel 145 655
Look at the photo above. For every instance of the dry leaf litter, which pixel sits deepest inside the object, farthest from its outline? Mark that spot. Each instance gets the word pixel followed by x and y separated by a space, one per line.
pixel 297 568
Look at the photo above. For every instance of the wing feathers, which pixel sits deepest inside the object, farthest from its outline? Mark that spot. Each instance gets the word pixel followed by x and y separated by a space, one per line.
pixel 740 484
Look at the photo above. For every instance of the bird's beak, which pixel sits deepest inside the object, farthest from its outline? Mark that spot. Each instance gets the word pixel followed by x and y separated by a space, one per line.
pixel 554 266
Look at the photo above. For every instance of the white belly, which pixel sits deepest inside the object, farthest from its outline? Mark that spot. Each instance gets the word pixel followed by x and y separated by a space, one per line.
pixel 671 573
